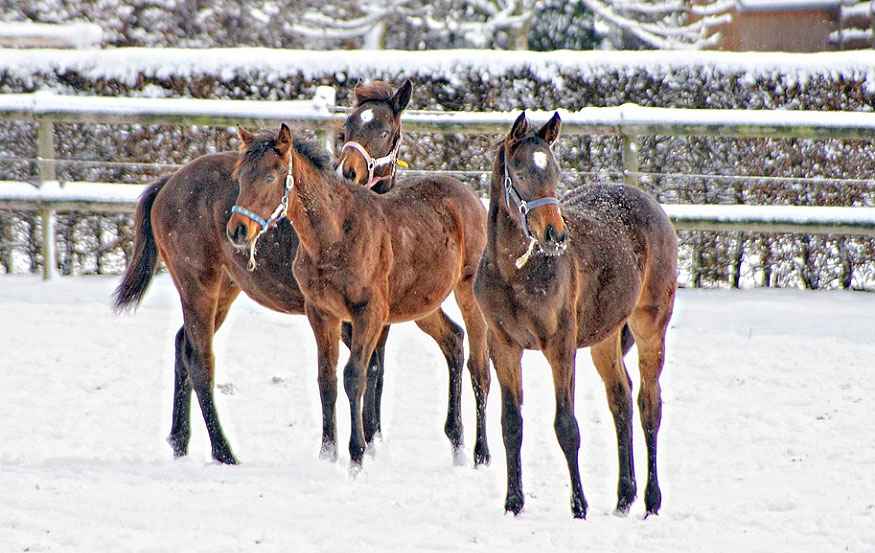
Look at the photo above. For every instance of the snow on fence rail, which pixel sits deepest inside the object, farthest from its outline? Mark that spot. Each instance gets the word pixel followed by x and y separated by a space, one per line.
pixel 628 121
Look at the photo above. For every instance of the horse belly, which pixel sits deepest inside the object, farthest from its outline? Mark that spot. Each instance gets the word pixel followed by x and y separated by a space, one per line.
pixel 421 296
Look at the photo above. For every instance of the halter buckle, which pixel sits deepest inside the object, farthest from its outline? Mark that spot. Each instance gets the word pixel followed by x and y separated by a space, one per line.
pixel 524 207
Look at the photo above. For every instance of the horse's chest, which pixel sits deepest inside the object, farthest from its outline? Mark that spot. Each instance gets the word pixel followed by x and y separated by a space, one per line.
pixel 518 309
pixel 322 282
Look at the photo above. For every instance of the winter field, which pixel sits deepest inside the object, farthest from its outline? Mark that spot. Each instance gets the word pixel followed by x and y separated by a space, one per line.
pixel 766 443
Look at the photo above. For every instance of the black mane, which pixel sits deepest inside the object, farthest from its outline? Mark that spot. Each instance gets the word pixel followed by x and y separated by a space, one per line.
pixel 314 153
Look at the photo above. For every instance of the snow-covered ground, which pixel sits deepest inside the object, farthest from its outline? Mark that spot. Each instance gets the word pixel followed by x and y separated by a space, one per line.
pixel 766 443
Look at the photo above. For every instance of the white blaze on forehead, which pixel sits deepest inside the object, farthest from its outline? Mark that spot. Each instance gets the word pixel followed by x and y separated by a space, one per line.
pixel 540 160
pixel 367 115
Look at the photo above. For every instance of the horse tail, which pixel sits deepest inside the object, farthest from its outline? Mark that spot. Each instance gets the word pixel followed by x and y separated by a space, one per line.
pixel 626 339
pixel 144 261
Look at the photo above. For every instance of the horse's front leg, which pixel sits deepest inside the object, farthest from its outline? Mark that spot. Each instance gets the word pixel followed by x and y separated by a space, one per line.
pixel 560 353
pixel 374 389
pixel 506 358
pixel 326 330
pixel 371 412
pixel 367 326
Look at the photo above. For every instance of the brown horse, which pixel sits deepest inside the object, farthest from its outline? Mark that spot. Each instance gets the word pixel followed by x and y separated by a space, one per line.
pixel 182 218
pixel 558 276
pixel 371 137
pixel 372 260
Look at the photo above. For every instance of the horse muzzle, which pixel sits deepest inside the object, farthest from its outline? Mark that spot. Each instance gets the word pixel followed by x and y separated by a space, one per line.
pixel 553 242
pixel 238 233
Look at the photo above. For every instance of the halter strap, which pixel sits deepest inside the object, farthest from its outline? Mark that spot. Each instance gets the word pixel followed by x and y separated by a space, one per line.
pixel 523 206
pixel 374 163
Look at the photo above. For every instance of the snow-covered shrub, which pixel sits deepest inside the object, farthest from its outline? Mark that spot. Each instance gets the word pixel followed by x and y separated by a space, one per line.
pixel 677 169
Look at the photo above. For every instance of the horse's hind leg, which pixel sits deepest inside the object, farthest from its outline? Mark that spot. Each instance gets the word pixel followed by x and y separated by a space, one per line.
pixel 199 308
pixel 478 362
pixel 180 429
pixel 649 325
pixel 449 336
pixel 607 356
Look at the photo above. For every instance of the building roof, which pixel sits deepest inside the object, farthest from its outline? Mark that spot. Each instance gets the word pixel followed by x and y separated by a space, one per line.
pixel 785 5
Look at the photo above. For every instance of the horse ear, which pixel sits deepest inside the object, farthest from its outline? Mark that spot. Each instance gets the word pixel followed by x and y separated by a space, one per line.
pixel 401 98
pixel 284 139
pixel 245 137
pixel 356 93
pixel 550 131
pixel 519 129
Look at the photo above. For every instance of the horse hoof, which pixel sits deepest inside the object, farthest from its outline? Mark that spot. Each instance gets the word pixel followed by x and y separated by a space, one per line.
pixel 578 508
pixel 355 468
pixel 513 505
pixel 225 458
pixel 623 507
pixel 652 500
pixel 370 450
pixel 328 452
pixel 481 458
pixel 179 444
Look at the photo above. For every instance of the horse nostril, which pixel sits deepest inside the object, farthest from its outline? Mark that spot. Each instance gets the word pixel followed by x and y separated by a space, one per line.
pixel 349 174
pixel 238 236
pixel 551 234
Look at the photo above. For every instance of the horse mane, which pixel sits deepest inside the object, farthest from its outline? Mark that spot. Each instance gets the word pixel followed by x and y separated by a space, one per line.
pixel 265 140
pixel 374 91
pixel 313 152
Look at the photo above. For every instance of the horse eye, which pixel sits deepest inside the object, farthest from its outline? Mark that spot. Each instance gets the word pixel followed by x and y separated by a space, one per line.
pixel 270 178
pixel 385 134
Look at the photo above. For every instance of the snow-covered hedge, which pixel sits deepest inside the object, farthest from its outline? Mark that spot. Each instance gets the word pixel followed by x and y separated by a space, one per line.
pixel 479 80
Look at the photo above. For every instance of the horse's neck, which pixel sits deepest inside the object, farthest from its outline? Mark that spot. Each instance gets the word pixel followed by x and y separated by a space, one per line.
pixel 316 208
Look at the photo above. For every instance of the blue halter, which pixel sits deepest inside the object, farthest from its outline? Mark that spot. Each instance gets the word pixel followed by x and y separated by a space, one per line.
pixel 511 193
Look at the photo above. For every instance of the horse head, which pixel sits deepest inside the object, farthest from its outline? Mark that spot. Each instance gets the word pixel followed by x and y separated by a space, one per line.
pixel 372 135
pixel 261 171
pixel 531 177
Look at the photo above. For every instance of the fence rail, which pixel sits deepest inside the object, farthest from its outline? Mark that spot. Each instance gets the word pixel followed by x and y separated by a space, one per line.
pixel 628 121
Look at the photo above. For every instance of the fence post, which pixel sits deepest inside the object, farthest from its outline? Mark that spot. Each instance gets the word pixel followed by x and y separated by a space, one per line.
pixel 324 99
pixel 630 160
pixel 46 166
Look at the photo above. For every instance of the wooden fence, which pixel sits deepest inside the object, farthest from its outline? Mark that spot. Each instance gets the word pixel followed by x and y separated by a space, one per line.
pixel 629 121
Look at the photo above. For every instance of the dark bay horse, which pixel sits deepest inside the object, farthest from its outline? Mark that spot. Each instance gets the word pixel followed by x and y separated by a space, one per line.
pixel 561 275
pixel 372 260
pixel 182 219
pixel 371 137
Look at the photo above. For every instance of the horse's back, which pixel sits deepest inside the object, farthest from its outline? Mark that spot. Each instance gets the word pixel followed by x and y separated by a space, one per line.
pixel 198 187
pixel 628 208
pixel 447 199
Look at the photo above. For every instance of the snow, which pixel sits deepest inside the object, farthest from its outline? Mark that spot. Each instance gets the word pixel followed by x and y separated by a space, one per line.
pixel 77 35
pixel 127 65
pixel 777 214
pixel 80 192
pixel 766 441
